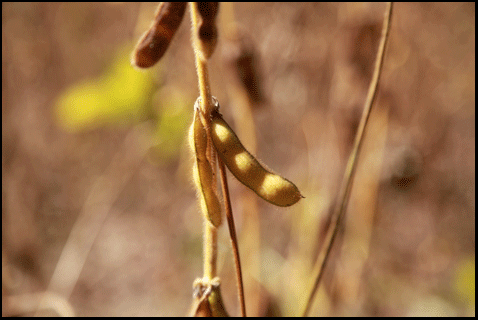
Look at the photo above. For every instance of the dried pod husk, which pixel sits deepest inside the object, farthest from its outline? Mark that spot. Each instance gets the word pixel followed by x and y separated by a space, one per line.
pixel 208 10
pixel 202 171
pixel 207 31
pixel 207 299
pixel 208 39
pixel 153 43
pixel 242 59
pixel 269 186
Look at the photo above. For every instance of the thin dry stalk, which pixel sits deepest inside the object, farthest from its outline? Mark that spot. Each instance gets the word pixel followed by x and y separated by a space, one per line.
pixel 232 232
pixel 105 191
pixel 347 182
pixel 234 49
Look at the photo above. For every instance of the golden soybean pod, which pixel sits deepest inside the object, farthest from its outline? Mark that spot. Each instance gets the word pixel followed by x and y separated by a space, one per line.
pixel 269 186
pixel 202 171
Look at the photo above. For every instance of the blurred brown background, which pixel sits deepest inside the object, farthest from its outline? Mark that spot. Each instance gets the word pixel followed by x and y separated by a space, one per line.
pixel 119 188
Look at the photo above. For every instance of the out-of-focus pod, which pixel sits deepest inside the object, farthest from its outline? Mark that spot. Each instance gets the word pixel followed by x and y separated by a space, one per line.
pixel 153 43
pixel 207 31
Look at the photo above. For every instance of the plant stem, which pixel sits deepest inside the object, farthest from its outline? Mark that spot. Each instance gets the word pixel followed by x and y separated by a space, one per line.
pixel 201 65
pixel 210 250
pixel 210 232
pixel 232 232
pixel 347 181
pixel 207 106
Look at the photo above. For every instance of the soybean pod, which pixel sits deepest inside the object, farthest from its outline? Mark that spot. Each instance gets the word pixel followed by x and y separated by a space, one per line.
pixel 207 31
pixel 267 185
pixel 202 170
pixel 153 43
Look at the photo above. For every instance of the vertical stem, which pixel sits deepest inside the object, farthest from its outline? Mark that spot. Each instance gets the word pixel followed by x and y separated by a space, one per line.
pixel 210 232
pixel 207 106
pixel 232 232
pixel 347 182
pixel 210 250
pixel 201 65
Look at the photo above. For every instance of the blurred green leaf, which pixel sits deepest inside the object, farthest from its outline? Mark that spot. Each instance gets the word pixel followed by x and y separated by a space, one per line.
pixel 121 95
pixel 175 115
pixel 465 281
